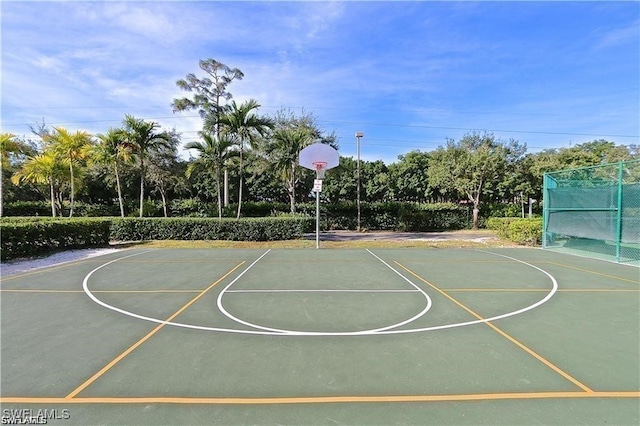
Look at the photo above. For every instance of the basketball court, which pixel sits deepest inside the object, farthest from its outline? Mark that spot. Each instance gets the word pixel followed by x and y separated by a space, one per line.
pixel 329 336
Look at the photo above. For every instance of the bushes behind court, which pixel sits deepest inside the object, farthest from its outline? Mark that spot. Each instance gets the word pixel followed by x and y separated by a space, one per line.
pixel 521 231
pixel 24 237
pixel 400 216
pixel 249 229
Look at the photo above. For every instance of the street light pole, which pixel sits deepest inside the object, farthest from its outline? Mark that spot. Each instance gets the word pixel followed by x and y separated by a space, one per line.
pixel 358 136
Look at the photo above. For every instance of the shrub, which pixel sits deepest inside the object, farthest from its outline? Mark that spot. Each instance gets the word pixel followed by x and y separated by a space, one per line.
pixel 500 225
pixel 192 207
pixel 248 229
pixel 521 231
pixel 93 210
pixel 27 208
pixel 24 238
pixel 432 217
pixel 393 216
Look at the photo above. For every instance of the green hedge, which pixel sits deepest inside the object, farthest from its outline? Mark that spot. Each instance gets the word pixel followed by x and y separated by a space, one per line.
pixel 194 228
pixel 27 208
pixel 25 237
pixel 521 231
pixel 396 216
pixel 21 238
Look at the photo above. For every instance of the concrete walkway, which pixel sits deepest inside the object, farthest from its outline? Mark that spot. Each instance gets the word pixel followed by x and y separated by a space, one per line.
pixel 466 235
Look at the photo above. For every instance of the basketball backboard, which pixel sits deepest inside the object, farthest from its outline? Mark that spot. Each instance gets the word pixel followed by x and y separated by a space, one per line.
pixel 319 157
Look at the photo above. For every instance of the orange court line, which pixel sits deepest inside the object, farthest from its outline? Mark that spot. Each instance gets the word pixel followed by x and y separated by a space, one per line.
pixel 147 336
pixel 502 333
pixel 546 290
pixel 321 399
pixel 593 272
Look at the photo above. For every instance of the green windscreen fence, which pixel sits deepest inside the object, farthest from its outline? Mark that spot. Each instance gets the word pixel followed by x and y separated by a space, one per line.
pixel 594 211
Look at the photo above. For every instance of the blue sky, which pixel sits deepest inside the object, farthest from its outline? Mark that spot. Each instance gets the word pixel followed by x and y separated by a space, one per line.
pixel 407 74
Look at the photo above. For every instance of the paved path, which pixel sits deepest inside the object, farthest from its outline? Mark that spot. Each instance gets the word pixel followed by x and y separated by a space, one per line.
pixel 399 236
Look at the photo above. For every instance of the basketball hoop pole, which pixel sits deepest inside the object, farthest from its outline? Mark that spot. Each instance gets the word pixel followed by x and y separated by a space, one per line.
pixel 358 136
pixel 319 175
pixel 317 219
pixel 319 157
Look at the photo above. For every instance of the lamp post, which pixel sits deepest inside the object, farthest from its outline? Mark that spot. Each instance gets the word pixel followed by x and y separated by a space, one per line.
pixel 358 136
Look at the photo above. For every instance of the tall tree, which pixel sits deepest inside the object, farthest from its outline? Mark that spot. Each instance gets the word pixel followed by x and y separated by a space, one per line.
pixel 343 183
pixel 409 177
pixel 376 181
pixel 213 154
pixel 468 165
pixel 144 138
pixel 111 150
pixel 73 148
pixel 44 168
pixel 280 151
pixel 165 171
pixel 210 94
pixel 8 145
pixel 246 125
pixel 282 156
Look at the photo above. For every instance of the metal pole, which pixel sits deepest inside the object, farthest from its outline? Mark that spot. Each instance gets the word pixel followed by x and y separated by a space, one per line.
pixel 317 219
pixel 619 212
pixel 226 187
pixel 358 136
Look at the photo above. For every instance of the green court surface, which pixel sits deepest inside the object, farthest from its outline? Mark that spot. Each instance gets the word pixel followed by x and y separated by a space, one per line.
pixel 330 336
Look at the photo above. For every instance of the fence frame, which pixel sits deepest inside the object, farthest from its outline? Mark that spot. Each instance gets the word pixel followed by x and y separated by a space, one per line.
pixel 550 183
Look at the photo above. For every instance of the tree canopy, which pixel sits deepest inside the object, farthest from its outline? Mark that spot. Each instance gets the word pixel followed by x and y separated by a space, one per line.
pixel 260 153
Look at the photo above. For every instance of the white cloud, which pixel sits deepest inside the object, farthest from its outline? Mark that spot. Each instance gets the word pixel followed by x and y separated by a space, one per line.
pixel 619 36
pixel 348 63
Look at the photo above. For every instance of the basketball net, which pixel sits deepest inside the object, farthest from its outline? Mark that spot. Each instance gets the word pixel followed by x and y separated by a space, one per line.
pixel 321 167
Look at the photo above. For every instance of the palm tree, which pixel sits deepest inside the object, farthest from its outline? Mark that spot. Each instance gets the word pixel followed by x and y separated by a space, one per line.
pixel 283 152
pixel 242 122
pixel 142 136
pixel 8 145
pixel 73 148
pixel 45 168
pixel 111 150
pixel 214 152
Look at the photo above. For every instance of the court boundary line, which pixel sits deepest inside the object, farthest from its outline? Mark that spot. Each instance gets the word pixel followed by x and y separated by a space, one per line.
pixel 146 337
pixel 344 399
pixel 504 334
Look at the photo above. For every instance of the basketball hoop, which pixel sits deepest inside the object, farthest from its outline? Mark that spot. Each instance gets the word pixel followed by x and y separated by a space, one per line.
pixel 318 157
pixel 321 167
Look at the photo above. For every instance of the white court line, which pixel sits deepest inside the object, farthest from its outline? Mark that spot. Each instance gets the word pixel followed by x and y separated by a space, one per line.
pixel 386 331
pixel 321 291
pixel 326 333
pixel 85 286
pixel 553 291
